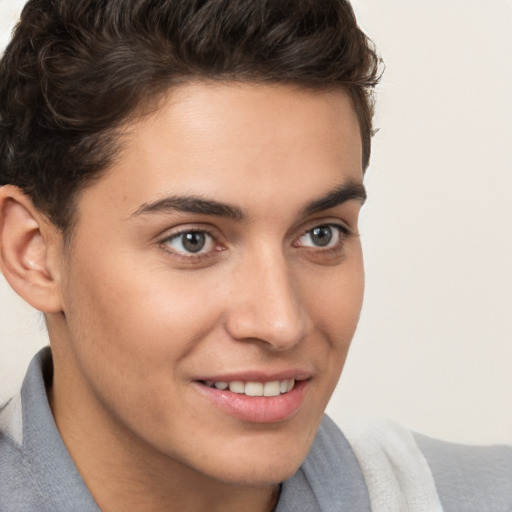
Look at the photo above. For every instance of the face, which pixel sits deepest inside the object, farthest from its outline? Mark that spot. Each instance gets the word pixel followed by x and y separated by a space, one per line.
pixel 218 259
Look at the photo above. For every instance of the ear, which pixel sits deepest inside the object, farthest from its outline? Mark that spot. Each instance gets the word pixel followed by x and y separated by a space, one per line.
pixel 29 251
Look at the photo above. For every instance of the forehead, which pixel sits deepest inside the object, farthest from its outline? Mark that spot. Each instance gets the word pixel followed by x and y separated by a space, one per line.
pixel 235 142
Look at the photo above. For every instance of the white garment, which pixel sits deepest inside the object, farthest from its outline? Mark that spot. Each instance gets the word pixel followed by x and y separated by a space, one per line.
pixel 396 472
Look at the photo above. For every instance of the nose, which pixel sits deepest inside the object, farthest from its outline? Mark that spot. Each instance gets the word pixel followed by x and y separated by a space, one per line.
pixel 266 304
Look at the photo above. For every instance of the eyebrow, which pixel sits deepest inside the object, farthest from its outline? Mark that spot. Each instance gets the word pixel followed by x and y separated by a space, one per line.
pixel 195 204
pixel 192 204
pixel 347 192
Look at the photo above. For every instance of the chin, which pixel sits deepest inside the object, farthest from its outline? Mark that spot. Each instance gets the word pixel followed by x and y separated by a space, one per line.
pixel 258 473
pixel 260 463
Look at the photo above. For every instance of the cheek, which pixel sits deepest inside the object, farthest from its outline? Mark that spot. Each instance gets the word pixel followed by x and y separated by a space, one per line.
pixel 135 325
pixel 137 332
pixel 133 301
pixel 335 301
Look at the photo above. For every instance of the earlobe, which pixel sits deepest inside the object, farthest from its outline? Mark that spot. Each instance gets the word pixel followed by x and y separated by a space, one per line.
pixel 24 251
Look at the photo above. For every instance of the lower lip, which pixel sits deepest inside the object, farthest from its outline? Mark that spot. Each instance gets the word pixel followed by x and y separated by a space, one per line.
pixel 257 409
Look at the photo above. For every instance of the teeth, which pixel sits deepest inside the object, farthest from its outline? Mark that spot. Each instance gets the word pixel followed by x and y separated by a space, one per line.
pixel 237 387
pixel 254 389
pixel 273 388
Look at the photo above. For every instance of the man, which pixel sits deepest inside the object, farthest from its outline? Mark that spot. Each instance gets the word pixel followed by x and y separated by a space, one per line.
pixel 181 188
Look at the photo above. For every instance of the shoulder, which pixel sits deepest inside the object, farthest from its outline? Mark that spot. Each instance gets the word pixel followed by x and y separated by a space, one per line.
pixel 469 477
pixel 37 472
pixel 409 471
pixel 12 462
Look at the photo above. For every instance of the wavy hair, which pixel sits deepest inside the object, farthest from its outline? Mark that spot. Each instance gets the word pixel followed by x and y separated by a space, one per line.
pixel 76 71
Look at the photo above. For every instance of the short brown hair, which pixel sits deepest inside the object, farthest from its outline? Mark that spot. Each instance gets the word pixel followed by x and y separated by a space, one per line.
pixel 75 71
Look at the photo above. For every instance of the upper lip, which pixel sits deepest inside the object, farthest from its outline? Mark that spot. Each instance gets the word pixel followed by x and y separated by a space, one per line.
pixel 257 376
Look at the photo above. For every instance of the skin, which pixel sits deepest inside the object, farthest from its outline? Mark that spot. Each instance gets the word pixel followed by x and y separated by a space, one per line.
pixel 135 320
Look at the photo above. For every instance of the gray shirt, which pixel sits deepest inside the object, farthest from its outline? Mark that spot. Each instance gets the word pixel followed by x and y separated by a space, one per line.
pixel 37 473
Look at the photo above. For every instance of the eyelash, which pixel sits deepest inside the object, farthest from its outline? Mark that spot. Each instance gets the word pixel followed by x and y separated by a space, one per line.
pixel 344 233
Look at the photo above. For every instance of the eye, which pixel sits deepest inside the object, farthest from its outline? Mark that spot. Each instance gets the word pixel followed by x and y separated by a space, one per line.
pixel 191 242
pixel 325 236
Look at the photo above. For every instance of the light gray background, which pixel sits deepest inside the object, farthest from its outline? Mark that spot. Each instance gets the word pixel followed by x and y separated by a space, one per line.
pixel 433 349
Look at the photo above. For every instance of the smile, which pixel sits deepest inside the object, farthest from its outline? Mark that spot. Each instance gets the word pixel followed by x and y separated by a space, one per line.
pixel 274 388
pixel 255 401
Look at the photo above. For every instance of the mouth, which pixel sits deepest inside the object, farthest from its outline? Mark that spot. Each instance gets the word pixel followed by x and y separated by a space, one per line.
pixel 273 388
pixel 255 401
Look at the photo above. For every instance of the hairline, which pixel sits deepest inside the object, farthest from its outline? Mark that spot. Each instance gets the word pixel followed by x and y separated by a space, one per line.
pixel 154 102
